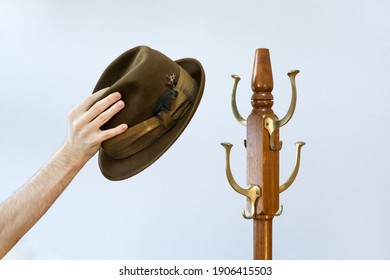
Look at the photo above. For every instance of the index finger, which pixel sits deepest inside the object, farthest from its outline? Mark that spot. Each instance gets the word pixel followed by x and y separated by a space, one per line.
pixel 99 107
pixel 91 100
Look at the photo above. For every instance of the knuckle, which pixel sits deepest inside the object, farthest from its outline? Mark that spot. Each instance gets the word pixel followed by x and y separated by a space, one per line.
pixel 93 142
pixel 95 110
pixel 77 125
pixel 100 106
pixel 102 118
pixel 71 115
pixel 91 98
pixel 90 101
pixel 97 106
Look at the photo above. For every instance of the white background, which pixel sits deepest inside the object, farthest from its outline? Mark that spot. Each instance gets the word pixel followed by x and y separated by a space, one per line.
pixel 53 52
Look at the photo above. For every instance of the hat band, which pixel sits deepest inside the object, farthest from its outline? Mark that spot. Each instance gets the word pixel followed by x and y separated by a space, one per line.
pixel 142 135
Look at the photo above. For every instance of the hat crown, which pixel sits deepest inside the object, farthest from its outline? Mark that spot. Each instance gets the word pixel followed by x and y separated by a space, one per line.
pixel 140 76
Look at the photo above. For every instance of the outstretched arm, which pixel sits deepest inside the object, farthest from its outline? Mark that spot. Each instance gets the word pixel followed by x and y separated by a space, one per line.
pixel 26 206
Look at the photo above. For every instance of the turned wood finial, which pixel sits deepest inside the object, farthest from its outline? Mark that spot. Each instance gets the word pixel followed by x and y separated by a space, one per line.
pixel 262 81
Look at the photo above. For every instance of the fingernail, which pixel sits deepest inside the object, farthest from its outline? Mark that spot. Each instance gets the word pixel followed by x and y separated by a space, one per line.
pixel 116 94
pixel 120 104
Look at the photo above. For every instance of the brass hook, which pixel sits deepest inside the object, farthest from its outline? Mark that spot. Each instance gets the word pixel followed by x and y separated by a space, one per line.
pixel 280 211
pixel 253 192
pixel 272 123
pixel 298 147
pixel 236 114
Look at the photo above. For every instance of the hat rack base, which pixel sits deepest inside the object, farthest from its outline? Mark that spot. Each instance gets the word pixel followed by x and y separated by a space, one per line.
pixel 262 148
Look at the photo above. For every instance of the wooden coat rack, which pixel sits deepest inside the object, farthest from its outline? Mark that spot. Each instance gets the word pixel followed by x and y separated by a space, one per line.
pixel 263 146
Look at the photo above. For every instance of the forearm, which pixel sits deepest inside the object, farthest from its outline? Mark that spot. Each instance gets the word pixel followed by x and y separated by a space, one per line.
pixel 26 206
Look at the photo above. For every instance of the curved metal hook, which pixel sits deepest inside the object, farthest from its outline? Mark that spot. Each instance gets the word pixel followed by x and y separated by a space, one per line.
pixel 252 203
pixel 292 74
pixel 280 211
pixel 272 123
pixel 253 192
pixel 298 146
pixel 236 114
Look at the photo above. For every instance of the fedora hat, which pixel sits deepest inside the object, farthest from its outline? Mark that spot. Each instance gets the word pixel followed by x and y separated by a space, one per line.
pixel 161 96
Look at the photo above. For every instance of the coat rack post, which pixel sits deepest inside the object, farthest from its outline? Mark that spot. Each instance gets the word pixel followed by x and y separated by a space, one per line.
pixel 262 148
pixel 262 161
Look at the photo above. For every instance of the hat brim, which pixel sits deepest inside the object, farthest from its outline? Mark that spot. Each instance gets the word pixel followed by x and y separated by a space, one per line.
pixel 120 169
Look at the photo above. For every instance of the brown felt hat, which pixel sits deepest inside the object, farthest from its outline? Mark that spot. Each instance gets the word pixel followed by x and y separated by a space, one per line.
pixel 160 95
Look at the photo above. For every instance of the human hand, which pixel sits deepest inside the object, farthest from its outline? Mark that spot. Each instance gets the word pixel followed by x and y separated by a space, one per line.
pixel 84 122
